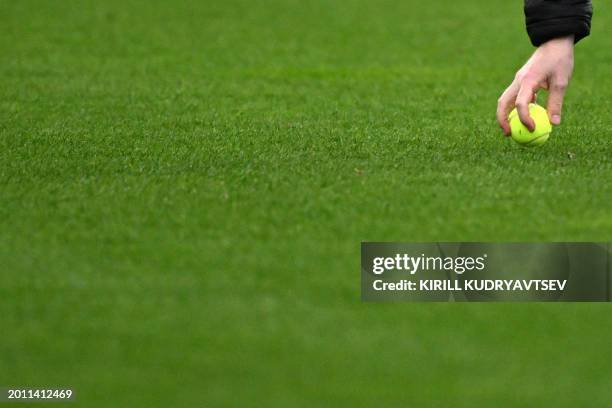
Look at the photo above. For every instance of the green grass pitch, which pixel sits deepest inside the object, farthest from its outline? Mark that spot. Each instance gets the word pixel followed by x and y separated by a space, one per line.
pixel 184 187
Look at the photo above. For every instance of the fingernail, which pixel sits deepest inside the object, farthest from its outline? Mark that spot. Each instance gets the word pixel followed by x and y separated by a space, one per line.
pixel 556 120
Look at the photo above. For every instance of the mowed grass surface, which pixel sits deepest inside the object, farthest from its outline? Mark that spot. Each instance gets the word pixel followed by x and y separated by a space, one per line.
pixel 184 187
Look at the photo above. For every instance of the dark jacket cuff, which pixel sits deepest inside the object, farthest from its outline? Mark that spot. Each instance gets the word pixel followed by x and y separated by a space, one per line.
pixel 553 19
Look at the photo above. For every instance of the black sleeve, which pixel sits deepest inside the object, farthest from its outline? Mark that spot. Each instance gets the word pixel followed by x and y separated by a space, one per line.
pixel 548 19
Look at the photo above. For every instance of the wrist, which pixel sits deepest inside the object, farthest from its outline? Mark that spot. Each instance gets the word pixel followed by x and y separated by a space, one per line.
pixel 565 41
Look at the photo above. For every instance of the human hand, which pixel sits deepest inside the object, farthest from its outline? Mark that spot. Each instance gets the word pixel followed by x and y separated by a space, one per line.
pixel 550 67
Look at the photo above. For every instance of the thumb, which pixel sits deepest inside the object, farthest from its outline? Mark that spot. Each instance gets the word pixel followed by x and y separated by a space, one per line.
pixel 555 101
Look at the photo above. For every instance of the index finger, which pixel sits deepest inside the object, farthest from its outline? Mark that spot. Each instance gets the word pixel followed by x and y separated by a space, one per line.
pixel 505 104
pixel 525 96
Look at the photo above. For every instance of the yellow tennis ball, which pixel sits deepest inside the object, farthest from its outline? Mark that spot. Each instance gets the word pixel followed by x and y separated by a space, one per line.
pixel 522 135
